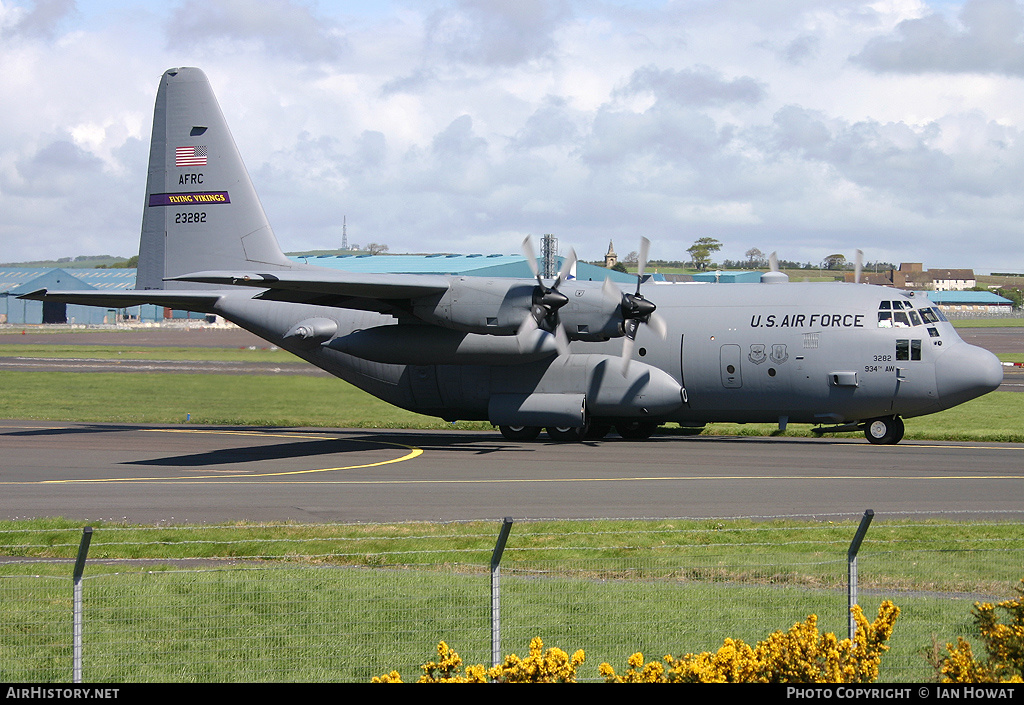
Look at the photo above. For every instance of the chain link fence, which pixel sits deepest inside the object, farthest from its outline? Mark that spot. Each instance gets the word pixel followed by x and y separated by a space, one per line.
pixel 262 604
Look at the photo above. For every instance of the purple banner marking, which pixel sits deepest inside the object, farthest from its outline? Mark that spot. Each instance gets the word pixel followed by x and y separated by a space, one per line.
pixel 194 198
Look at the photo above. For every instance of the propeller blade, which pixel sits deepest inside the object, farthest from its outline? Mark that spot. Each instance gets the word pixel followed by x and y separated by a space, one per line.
pixel 658 326
pixel 567 264
pixel 641 265
pixel 858 266
pixel 627 354
pixel 628 342
pixel 610 290
pixel 528 325
pixel 561 340
pixel 773 262
pixel 531 256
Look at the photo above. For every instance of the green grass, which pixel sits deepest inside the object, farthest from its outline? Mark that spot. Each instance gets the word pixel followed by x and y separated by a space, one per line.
pixel 204 399
pixel 987 322
pixel 348 602
pixel 122 352
pixel 995 418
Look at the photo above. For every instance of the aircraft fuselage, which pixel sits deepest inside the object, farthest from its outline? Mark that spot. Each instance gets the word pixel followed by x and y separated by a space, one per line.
pixel 788 353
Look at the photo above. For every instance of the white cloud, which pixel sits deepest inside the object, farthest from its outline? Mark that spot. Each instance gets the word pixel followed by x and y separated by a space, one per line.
pixel 462 125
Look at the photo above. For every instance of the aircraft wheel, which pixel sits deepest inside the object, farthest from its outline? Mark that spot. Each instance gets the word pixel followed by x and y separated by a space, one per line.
pixel 520 433
pixel 597 431
pixel 636 430
pixel 565 434
pixel 885 430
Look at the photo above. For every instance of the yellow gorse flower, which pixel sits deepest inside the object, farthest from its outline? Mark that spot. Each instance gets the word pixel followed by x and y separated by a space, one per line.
pixel 1004 644
pixel 551 666
pixel 800 655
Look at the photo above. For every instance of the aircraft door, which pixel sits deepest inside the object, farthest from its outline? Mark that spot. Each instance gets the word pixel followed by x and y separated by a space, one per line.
pixel 731 373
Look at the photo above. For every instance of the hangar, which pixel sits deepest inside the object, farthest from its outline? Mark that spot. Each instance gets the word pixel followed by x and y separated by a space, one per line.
pixel 970 303
pixel 15 281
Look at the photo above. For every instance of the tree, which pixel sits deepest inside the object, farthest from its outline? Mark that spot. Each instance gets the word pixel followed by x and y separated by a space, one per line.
pixel 620 267
pixel 831 262
pixel 1013 294
pixel 700 252
pixel 755 258
pixel 375 248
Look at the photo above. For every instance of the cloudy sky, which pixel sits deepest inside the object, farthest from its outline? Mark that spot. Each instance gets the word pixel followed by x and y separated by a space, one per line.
pixel 803 126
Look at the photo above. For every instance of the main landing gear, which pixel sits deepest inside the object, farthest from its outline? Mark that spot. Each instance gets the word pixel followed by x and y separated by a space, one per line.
pixel 593 431
pixel 520 433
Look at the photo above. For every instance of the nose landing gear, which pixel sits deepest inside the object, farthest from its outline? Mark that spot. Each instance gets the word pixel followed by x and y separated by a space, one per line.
pixel 885 430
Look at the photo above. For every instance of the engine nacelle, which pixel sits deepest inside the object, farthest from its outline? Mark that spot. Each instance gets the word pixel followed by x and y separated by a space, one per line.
pixel 499 307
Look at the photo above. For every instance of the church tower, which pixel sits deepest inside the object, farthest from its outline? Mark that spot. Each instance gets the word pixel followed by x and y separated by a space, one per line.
pixel 610 257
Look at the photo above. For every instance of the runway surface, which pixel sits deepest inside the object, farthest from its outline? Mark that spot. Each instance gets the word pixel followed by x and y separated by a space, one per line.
pixel 189 475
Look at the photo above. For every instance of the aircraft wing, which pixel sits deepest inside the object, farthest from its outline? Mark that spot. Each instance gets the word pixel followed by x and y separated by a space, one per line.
pixel 201 301
pixel 355 290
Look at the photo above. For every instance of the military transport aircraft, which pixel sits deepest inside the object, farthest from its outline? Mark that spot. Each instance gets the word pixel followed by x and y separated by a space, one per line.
pixel 576 358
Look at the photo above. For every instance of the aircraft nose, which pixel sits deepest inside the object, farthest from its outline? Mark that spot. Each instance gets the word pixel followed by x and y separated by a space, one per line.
pixel 964 372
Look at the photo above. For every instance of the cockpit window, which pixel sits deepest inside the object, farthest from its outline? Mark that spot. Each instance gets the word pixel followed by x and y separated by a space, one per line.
pixel 891 315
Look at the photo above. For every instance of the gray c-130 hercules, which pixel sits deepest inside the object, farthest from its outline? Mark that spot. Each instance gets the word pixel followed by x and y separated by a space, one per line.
pixel 576 358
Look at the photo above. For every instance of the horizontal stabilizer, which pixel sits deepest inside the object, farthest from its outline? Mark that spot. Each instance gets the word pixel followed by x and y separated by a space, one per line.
pixel 201 301
pixel 320 283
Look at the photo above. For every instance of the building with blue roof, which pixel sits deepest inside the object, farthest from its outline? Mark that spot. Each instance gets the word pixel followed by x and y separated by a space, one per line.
pixel 968 302
pixel 15 281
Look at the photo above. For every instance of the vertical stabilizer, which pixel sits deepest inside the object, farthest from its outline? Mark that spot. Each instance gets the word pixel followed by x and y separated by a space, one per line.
pixel 201 210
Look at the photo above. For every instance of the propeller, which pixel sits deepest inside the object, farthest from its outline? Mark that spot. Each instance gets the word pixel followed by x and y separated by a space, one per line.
pixel 773 275
pixel 858 266
pixel 635 308
pixel 547 299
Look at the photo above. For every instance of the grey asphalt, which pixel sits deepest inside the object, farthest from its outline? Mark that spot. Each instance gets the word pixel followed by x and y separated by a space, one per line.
pixel 196 475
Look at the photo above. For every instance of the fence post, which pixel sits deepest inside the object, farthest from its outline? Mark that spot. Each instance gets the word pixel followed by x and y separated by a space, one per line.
pixel 499 548
pixel 76 608
pixel 851 568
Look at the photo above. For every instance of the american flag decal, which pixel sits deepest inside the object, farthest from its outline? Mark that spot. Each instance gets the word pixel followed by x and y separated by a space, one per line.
pixel 190 156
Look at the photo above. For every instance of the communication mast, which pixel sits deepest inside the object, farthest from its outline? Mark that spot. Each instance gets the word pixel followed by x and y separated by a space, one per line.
pixel 549 255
